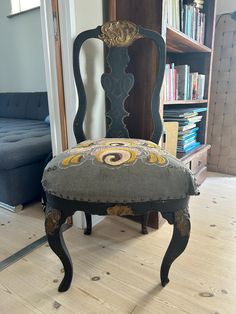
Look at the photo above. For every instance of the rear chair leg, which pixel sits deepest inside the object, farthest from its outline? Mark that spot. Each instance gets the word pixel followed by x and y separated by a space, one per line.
pixel 88 229
pixel 144 222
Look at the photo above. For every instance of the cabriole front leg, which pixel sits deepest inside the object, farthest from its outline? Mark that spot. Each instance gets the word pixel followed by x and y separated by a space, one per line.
pixel 53 222
pixel 181 221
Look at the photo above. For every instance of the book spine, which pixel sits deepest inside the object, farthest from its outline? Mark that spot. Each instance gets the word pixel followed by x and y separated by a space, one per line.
pixel 176 85
pixel 177 14
pixel 190 86
pixel 194 23
pixel 167 82
pixel 181 81
pixel 201 86
pixel 195 83
pixel 191 10
pixel 172 80
pixel 203 28
pixel 198 26
pixel 181 13
pixel 186 82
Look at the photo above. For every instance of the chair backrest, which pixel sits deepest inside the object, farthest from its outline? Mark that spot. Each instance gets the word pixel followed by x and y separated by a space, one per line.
pixel 117 83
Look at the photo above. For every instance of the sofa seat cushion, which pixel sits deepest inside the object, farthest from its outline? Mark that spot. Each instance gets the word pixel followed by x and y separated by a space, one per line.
pixel 118 171
pixel 23 142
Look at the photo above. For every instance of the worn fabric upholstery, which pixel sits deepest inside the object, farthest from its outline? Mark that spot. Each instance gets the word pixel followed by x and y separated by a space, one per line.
pixel 118 170
pixel 25 143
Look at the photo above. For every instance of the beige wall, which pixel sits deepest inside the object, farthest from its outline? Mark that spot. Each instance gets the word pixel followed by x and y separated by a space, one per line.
pixel 89 14
pixel 225 6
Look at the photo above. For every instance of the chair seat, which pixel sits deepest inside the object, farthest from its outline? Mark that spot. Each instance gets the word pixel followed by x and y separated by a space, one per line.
pixel 118 171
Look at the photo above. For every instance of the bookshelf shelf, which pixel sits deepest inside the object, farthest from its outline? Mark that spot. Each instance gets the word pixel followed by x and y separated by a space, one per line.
pixel 185 102
pixel 178 42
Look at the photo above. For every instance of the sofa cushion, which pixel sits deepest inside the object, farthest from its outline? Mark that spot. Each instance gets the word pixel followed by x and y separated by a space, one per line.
pixel 23 142
pixel 24 105
pixel 118 171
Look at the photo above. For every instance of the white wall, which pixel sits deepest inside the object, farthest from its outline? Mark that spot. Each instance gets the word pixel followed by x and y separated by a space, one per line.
pixel 225 6
pixel 21 52
pixel 89 14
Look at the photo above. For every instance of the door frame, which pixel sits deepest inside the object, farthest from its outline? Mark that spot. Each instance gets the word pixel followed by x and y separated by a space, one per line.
pixel 51 74
pixel 67 34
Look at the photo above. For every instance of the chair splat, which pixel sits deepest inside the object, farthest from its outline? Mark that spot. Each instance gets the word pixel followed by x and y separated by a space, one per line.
pixel 117 85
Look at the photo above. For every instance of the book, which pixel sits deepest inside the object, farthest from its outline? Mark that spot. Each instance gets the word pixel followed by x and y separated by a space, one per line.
pixel 184 141
pixel 189 148
pixel 187 127
pixel 188 131
pixel 191 86
pixel 194 94
pixel 186 145
pixel 183 81
pixel 201 86
pixel 190 120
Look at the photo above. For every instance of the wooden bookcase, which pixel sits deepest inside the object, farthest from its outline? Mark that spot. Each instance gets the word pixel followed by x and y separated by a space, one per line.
pixel 181 50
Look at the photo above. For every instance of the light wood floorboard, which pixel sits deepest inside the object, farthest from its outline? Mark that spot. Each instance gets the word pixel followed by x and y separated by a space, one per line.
pixel 17 230
pixel 202 280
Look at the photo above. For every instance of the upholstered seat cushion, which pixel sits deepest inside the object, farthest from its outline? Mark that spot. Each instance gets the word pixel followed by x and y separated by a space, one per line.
pixel 119 171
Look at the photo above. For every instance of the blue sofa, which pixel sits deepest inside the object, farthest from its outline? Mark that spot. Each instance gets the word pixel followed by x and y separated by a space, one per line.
pixel 25 143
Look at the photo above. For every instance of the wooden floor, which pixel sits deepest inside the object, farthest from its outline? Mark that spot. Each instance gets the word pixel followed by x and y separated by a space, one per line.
pixel 17 230
pixel 127 264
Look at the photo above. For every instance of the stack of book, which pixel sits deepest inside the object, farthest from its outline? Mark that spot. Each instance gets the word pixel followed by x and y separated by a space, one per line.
pixel 187 17
pixel 180 84
pixel 188 118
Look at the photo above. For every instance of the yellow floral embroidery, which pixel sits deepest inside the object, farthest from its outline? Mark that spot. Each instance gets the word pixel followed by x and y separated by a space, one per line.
pixel 115 152
pixel 116 156
pixel 155 158
pixel 151 144
pixel 118 142
pixel 71 160
pixel 85 144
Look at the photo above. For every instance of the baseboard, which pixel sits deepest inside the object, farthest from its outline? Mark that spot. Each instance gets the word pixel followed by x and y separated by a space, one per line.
pixel 13 209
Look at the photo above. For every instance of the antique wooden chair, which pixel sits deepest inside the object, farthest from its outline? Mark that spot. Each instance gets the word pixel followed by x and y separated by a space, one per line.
pixel 117 175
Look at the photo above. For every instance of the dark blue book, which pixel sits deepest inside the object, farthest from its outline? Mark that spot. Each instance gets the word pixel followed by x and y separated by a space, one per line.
pixel 189 148
pixel 186 136
pixel 186 141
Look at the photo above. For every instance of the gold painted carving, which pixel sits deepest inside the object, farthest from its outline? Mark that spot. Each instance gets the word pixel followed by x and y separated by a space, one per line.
pixel 119 33
pixel 119 210
pixel 52 220
pixel 182 222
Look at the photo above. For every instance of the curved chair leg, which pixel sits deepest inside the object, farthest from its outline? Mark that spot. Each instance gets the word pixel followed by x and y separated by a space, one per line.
pixel 88 229
pixel 53 223
pixel 179 241
pixel 144 222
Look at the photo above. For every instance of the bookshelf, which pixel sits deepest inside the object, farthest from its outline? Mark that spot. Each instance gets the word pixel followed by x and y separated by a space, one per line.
pixel 181 50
